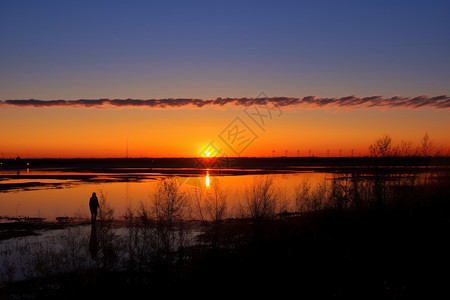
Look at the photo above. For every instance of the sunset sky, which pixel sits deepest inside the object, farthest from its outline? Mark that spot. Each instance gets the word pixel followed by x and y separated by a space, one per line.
pixel 304 57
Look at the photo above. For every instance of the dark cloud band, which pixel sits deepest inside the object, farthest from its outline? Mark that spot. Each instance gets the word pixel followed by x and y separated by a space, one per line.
pixel 314 102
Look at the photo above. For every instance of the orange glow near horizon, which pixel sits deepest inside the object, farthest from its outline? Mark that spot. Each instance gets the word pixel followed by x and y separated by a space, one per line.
pixel 135 132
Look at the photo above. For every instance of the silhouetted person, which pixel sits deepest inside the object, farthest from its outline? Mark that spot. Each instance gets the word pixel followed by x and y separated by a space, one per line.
pixel 93 205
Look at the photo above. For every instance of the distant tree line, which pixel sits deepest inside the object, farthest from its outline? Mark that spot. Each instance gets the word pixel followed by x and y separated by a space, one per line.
pixel 384 147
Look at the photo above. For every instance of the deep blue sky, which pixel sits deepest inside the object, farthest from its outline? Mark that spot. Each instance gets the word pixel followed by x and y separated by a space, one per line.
pixel 208 49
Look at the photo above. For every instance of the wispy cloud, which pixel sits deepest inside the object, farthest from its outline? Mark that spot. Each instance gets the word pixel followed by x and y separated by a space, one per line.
pixel 311 102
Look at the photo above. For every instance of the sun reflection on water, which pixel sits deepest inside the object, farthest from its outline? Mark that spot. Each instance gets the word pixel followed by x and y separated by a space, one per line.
pixel 207 180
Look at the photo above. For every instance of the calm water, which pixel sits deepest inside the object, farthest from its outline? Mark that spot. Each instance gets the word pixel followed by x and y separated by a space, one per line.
pixel 50 194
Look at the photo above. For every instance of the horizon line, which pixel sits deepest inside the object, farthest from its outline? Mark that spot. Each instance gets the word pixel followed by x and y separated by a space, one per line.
pixel 230 157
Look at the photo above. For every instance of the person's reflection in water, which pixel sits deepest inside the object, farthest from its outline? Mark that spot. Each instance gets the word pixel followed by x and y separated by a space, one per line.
pixel 93 242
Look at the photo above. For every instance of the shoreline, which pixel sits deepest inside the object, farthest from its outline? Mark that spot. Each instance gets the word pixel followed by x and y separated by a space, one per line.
pixel 16 227
pixel 220 162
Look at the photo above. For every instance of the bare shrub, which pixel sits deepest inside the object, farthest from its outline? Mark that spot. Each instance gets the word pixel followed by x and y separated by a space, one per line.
pixel 318 197
pixel 341 192
pixel 108 242
pixel 106 212
pixel 426 147
pixel 302 195
pixel 212 208
pixel 260 199
pixel 169 208
pixel 308 198
pixel 139 240
pixel 41 261
pixel 216 202
pixel 406 149
pixel 197 196
pixel 73 249
pixel 66 253
pixel 382 147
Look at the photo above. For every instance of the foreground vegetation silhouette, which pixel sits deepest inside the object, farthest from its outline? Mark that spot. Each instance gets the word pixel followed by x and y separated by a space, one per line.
pixel 365 236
